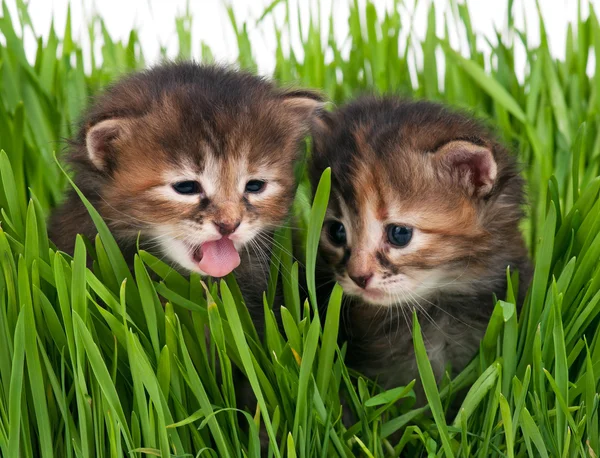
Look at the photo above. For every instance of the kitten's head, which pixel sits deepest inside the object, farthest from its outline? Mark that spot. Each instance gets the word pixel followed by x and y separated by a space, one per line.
pixel 199 159
pixel 424 201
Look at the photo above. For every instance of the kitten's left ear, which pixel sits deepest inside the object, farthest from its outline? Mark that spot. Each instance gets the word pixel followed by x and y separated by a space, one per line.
pixel 472 166
pixel 304 103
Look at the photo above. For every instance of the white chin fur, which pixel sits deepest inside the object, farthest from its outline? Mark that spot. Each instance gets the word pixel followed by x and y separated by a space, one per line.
pixel 179 253
pixel 382 300
pixel 370 296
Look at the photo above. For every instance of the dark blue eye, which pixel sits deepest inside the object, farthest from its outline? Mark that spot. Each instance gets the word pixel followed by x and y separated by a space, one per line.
pixel 337 233
pixel 255 186
pixel 399 235
pixel 187 187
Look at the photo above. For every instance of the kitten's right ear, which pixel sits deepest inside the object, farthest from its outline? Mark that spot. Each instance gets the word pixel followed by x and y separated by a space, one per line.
pixel 304 103
pixel 100 140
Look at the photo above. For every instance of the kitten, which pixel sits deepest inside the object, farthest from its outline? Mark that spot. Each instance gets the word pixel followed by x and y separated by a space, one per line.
pixel 424 214
pixel 197 159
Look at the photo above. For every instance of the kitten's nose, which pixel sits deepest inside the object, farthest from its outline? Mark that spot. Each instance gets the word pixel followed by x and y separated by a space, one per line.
pixel 227 227
pixel 361 280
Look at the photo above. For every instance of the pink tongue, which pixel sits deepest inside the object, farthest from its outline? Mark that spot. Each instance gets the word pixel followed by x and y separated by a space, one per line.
pixel 219 257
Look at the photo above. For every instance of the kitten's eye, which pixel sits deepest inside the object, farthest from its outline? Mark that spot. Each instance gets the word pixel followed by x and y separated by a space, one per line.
pixel 337 233
pixel 187 187
pixel 255 186
pixel 399 235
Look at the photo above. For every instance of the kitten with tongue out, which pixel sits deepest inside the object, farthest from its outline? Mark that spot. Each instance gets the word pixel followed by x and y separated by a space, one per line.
pixel 217 258
pixel 198 161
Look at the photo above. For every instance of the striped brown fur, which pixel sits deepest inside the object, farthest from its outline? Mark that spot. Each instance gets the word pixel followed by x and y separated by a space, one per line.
pixel 183 119
pixel 444 175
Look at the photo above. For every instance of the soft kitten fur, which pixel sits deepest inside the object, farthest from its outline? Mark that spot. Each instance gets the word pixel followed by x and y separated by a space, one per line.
pixel 210 125
pixel 442 174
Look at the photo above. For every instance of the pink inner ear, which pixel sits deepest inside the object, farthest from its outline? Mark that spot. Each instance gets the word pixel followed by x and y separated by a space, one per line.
pixel 474 165
pixel 99 139
pixel 479 168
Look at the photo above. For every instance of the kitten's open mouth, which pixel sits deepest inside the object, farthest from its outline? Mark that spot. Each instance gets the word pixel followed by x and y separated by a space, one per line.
pixel 216 258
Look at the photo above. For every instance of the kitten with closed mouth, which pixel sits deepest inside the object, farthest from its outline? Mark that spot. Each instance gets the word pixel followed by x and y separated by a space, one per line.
pixel 423 215
pixel 198 160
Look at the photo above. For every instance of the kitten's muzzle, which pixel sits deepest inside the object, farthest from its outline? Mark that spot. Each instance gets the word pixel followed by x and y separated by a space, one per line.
pixel 227 227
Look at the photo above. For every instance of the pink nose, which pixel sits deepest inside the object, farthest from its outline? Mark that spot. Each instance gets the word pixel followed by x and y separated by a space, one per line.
pixel 227 227
pixel 361 280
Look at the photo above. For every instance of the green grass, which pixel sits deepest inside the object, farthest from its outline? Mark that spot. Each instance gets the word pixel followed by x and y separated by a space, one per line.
pixel 92 365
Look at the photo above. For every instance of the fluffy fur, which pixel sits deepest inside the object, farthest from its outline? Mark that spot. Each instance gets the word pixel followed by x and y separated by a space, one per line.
pixel 443 175
pixel 215 126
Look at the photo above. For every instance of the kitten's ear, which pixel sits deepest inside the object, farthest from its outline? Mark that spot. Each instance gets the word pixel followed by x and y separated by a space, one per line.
pixel 100 140
pixel 472 166
pixel 304 103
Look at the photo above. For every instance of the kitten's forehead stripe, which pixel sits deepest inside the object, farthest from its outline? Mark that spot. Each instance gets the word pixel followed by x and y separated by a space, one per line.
pixel 210 173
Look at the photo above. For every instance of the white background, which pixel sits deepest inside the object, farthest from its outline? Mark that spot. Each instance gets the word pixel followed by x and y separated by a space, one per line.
pixel 155 21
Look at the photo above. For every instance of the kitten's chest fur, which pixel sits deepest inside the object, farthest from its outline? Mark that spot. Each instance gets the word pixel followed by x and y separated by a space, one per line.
pixel 380 339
